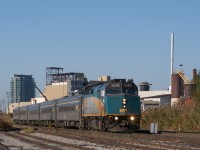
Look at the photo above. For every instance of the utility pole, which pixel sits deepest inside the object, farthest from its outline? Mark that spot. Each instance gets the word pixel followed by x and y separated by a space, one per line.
pixel 3 106
pixel 0 107
pixel 8 98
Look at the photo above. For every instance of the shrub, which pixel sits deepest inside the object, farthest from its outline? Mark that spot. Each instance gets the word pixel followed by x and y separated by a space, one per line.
pixel 182 117
pixel 5 122
pixel 28 130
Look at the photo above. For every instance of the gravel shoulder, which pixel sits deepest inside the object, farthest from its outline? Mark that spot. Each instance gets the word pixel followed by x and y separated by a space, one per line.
pixel 14 144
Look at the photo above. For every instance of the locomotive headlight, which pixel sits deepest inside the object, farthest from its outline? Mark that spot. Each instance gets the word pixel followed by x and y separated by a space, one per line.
pixel 124 101
pixel 132 118
pixel 116 118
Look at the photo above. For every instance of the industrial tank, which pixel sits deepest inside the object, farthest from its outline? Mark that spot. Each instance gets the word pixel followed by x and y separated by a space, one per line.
pixel 175 89
pixel 176 86
pixel 188 90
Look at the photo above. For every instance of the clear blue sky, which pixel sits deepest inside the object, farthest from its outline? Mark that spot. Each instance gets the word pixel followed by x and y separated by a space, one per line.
pixel 123 39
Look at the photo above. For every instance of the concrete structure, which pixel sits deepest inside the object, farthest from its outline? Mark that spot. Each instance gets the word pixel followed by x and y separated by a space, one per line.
pixel 22 88
pixel 104 78
pixel 154 99
pixel 57 90
pixel 37 100
pixel 14 105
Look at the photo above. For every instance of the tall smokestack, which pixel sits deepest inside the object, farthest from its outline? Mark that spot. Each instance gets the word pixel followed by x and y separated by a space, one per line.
pixel 172 55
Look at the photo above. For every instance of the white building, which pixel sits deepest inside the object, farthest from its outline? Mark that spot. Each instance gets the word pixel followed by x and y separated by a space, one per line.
pixel 37 100
pixel 14 105
pixel 154 99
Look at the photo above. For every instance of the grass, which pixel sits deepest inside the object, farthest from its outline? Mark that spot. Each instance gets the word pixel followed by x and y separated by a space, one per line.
pixel 183 117
pixel 28 130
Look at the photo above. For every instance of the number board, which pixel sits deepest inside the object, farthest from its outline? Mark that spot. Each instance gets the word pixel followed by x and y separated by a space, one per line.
pixel 122 110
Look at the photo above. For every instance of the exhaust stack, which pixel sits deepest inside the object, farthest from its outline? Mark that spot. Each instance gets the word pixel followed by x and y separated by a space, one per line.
pixel 172 56
pixel 175 79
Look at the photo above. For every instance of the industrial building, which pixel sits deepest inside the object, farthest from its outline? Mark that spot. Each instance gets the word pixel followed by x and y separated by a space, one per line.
pixel 181 90
pixel 37 100
pixel 104 78
pixel 153 99
pixel 181 86
pixel 59 84
pixel 12 106
pixel 22 88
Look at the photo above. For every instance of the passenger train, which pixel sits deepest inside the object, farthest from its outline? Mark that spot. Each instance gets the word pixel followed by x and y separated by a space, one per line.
pixel 105 106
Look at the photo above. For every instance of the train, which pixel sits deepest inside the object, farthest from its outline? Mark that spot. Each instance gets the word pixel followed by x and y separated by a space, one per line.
pixel 105 106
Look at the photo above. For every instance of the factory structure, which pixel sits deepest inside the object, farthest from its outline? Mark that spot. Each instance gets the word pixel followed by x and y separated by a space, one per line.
pixel 59 84
pixel 180 88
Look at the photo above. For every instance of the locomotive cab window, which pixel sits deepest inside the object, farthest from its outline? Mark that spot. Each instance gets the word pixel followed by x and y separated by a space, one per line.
pixel 128 90
pixel 114 90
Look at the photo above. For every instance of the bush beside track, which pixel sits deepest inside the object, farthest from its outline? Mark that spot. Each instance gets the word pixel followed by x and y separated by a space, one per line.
pixel 182 117
pixel 6 122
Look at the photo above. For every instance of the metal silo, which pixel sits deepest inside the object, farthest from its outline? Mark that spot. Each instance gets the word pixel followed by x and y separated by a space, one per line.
pixel 188 90
pixel 175 88
pixel 194 74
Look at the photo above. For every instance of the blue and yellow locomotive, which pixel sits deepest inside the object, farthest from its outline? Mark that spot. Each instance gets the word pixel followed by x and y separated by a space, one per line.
pixel 113 105
pixel 106 106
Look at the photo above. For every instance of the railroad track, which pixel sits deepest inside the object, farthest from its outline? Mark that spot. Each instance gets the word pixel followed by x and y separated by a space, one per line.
pixel 3 147
pixel 134 144
pixel 43 142
pixel 57 142
pixel 127 141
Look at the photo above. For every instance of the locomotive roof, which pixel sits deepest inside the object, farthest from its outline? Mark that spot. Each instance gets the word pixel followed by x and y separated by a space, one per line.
pixel 99 87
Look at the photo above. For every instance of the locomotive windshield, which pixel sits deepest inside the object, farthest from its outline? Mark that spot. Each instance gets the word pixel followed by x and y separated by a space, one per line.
pixel 128 90
pixel 113 90
pixel 121 86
